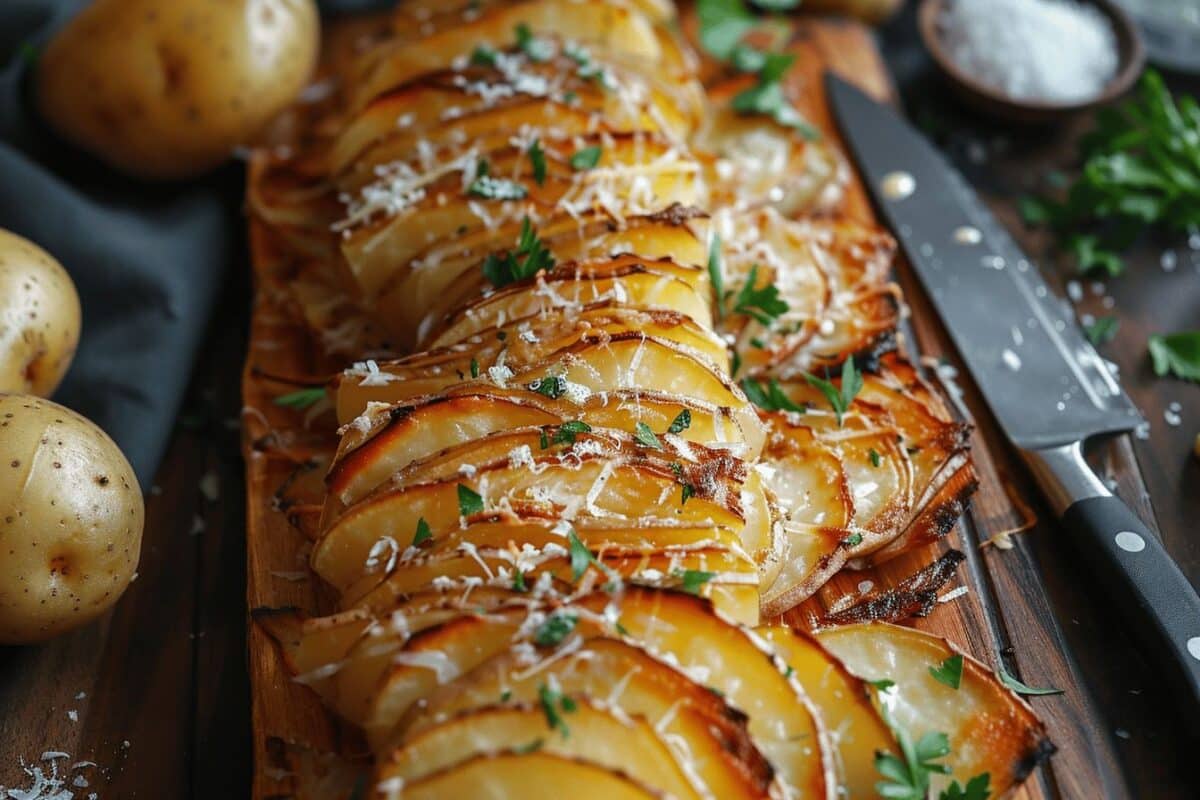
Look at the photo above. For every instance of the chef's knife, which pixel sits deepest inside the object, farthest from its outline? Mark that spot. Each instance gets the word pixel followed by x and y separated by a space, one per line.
pixel 1046 385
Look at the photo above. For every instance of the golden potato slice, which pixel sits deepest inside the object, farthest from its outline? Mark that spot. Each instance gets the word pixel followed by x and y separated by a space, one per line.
pixel 600 26
pixel 388 438
pixel 844 704
pixel 990 728
pixel 753 161
pixel 598 735
pixel 363 544
pixel 734 661
pixel 702 730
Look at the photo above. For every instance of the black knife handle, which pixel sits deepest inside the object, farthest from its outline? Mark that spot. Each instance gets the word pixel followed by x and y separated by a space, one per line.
pixel 1160 605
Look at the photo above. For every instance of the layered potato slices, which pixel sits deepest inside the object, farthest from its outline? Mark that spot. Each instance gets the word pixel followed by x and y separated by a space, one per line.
pixel 620 389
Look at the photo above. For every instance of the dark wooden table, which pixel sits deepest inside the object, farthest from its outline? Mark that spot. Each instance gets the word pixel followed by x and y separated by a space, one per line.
pixel 157 694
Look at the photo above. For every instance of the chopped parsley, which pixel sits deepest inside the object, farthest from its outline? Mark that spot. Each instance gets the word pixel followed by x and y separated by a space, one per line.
pixel 715 275
pixel 949 672
pixel 764 304
pixel 552 386
pixel 581 557
pixel 506 695
pixel 567 431
pixel 536 49
pixel 301 399
pixel 530 257
pixel 645 436
pixel 474 368
pixel 691 580
pixel 839 398
pixel 873 454
pixel 1020 688
pixel 556 628
pixel 1177 354
pixel 529 747
pixel 977 788
pixel 551 701
pixel 883 684
pixel 769 397
pixel 518 582
pixel 537 157
pixel 587 158
pixel 543 439
pixel 853 540
pixel 907 776
pixel 723 24
pixel 688 493
pixel 423 533
pixel 468 501
pixel 483 56
pixel 682 421
pixel 767 97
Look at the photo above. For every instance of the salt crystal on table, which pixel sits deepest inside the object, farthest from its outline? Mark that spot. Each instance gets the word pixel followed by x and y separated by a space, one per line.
pixel 1057 51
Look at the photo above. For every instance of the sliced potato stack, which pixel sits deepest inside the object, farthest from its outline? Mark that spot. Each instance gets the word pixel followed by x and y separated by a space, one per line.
pixel 597 457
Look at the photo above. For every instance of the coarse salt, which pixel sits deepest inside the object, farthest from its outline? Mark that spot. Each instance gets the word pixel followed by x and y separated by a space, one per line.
pixel 1057 51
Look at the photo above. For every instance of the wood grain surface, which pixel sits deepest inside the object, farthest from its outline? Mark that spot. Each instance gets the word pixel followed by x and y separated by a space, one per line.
pixel 160 688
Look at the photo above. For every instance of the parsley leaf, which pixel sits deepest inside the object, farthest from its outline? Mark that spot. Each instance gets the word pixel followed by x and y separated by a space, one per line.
pixel 469 502
pixel 777 5
pixel 949 672
pixel 537 49
pixel 518 582
pixel 853 540
pixel 767 97
pixel 1141 169
pixel 483 56
pixel 581 557
pixel 556 628
pixel 769 397
pixel 529 747
pixel 551 701
pixel 762 304
pixel 876 459
pixel 301 399
pixel 682 421
pixel 646 437
pixel 1020 688
pixel 883 684
pixel 552 386
pixel 567 431
pixel 906 777
pixel 1176 353
pixel 1102 330
pixel 587 158
pixel 688 492
pixel 715 276
pixel 839 398
pixel 691 580
pixel 530 257
pixel 474 368
pixel 978 788
pixel 723 23
pixel 423 533
pixel 537 157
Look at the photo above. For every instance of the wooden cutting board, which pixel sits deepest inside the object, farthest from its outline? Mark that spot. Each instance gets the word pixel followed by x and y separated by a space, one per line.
pixel 1005 613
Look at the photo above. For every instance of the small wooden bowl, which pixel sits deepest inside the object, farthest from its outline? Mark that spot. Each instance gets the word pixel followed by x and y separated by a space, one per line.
pixel 1131 57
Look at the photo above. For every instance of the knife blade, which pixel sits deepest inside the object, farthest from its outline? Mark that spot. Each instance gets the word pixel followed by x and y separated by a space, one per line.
pixel 1043 381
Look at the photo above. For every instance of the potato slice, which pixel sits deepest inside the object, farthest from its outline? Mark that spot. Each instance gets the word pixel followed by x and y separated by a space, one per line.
pixel 990 728
pixel 530 776
pixel 598 734
pixel 387 439
pixel 385 523
pixel 700 728
pixel 737 663
pixel 844 704
pixel 601 26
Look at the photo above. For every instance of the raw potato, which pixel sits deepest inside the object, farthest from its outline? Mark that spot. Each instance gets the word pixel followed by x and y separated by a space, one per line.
pixel 39 318
pixel 71 518
pixel 167 88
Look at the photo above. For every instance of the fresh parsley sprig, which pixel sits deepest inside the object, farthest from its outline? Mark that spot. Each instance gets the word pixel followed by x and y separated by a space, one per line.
pixel 1141 169
pixel 769 396
pixel 301 399
pixel 763 304
pixel 1177 354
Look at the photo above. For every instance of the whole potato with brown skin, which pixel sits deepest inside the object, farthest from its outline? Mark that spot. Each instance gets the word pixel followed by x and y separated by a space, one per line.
pixel 39 318
pixel 71 517
pixel 167 88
